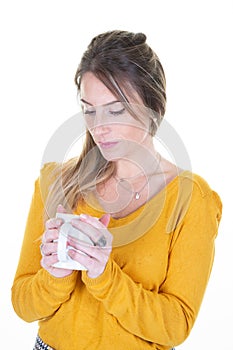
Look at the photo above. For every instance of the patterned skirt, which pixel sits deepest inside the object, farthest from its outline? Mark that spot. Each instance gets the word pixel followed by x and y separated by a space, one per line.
pixel 40 345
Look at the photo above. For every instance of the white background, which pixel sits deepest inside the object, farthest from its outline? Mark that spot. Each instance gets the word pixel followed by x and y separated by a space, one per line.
pixel 41 44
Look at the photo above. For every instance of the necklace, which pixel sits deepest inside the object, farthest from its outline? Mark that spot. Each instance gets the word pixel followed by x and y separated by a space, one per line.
pixel 137 193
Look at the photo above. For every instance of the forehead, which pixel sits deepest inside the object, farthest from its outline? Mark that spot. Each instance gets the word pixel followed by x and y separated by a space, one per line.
pixel 93 91
pixel 96 93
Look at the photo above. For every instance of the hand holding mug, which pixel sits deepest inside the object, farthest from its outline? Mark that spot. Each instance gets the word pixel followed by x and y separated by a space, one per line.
pixel 73 242
pixel 94 257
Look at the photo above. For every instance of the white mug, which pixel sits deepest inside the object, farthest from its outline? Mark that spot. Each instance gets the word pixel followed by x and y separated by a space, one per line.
pixel 65 261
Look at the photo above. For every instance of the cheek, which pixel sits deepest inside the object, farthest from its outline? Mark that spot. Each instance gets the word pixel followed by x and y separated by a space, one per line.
pixel 133 133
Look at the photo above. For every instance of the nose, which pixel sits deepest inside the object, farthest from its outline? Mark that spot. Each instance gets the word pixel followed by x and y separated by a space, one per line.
pixel 100 130
pixel 100 127
pixel 99 119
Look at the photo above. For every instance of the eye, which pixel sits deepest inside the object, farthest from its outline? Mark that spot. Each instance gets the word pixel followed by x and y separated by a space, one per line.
pixel 88 112
pixel 116 113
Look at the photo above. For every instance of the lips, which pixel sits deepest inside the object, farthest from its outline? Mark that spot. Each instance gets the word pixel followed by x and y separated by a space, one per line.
pixel 107 144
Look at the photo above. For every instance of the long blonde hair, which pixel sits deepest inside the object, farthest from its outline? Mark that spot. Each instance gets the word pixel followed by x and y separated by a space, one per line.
pixel 119 59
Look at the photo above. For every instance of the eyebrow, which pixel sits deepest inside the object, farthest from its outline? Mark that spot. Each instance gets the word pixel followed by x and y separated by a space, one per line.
pixel 107 104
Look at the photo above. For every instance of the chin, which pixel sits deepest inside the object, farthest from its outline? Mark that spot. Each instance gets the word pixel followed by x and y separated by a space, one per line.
pixel 121 150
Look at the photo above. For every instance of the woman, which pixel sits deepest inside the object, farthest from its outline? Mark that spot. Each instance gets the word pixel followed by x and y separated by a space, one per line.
pixel 152 224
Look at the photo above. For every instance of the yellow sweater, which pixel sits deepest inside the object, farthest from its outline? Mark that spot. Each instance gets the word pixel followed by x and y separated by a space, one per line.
pixel 151 290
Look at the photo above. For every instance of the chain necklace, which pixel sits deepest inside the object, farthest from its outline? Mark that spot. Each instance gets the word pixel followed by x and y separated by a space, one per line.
pixel 137 193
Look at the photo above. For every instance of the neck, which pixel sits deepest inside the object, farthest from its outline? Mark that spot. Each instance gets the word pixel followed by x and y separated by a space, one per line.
pixel 141 164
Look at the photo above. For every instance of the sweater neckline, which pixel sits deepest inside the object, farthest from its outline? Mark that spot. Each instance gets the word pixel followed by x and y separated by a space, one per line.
pixel 135 225
pixel 151 202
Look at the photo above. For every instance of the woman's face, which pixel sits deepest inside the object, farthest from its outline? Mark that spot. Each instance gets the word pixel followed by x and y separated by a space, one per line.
pixel 115 131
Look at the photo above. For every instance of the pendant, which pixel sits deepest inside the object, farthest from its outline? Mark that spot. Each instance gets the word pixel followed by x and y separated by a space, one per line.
pixel 137 196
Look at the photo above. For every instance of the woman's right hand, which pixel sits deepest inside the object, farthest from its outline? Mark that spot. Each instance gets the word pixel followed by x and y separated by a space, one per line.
pixel 49 247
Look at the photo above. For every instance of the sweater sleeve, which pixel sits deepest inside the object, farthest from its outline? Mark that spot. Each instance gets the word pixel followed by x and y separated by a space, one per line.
pixel 35 293
pixel 166 316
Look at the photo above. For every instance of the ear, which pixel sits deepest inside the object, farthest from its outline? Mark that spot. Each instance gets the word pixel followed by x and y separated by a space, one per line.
pixel 61 209
pixel 105 219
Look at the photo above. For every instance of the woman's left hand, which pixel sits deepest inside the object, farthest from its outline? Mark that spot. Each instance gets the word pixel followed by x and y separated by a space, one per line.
pixel 96 256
